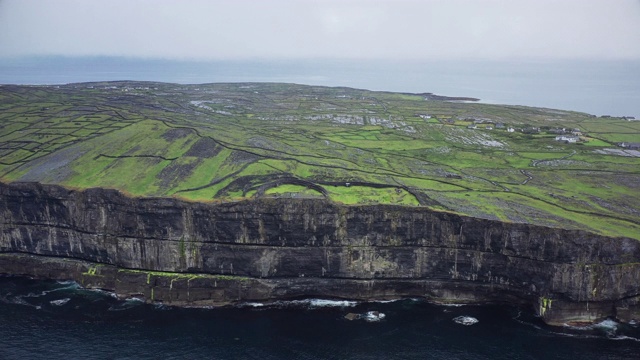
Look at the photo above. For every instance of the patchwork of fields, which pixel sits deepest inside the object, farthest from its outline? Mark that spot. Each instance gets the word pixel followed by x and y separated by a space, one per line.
pixel 228 142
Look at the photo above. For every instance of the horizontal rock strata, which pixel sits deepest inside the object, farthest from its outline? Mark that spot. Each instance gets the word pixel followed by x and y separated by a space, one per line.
pixel 207 254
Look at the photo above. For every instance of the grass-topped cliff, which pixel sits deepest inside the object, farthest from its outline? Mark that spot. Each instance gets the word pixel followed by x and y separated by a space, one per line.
pixel 226 142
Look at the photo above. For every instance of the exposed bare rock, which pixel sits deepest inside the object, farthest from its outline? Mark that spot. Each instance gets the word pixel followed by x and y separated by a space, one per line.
pixel 199 254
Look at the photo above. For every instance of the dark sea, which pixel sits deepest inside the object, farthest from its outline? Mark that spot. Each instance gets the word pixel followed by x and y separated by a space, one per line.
pixel 60 320
pixel 598 88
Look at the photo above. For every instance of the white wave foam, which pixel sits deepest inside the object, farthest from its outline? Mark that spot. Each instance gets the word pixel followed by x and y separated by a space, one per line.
pixel 125 305
pixel 369 316
pixel 316 303
pixel 251 304
pixel 373 316
pixel 607 324
pixel 624 337
pixel 71 285
pixel 331 303
pixel 67 282
pixel 322 303
pixel 465 320
pixel 105 292
pixel 59 302
pixel 134 299
pixel 385 301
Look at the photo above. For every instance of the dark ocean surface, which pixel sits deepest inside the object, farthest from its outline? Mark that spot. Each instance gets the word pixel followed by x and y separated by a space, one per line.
pixel 599 88
pixel 60 320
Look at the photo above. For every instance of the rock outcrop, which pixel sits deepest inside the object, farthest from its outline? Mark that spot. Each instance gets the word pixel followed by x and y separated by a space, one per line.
pixel 200 254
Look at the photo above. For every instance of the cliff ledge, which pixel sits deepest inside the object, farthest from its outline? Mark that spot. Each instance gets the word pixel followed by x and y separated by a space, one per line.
pixel 200 254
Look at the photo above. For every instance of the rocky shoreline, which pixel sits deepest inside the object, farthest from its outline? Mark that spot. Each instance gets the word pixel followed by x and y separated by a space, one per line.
pixel 211 254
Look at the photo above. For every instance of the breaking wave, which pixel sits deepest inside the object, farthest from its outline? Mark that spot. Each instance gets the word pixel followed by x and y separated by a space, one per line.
pixel 59 302
pixel 465 320
pixel 304 303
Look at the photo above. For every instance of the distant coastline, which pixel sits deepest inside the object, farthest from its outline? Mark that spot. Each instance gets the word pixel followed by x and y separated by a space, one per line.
pixel 598 88
pixel 431 96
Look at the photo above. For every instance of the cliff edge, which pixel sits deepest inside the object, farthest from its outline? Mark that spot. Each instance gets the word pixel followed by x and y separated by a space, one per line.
pixel 206 254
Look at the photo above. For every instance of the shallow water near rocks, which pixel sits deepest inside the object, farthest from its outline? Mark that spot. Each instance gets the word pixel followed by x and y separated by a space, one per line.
pixel 60 320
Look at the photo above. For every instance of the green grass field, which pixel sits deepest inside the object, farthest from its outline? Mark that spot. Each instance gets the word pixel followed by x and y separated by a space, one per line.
pixel 227 142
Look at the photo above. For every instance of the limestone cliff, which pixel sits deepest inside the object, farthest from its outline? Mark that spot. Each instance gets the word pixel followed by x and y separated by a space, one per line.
pixel 187 253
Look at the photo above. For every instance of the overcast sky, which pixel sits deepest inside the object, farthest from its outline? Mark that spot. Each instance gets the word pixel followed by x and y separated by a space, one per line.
pixel 368 29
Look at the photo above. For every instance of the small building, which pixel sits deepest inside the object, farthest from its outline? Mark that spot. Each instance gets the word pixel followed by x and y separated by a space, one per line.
pixel 567 139
pixel 510 129
pixel 473 126
pixel 500 126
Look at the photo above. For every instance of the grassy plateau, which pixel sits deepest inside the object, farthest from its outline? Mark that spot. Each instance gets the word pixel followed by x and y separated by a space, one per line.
pixel 228 142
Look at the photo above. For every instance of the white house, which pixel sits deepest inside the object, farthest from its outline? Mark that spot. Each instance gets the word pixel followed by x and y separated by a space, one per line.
pixel 567 139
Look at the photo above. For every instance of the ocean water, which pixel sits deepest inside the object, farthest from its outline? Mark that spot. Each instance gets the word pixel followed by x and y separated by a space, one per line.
pixel 60 320
pixel 599 88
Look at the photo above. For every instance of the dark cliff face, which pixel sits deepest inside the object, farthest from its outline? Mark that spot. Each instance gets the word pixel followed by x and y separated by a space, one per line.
pixel 282 248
